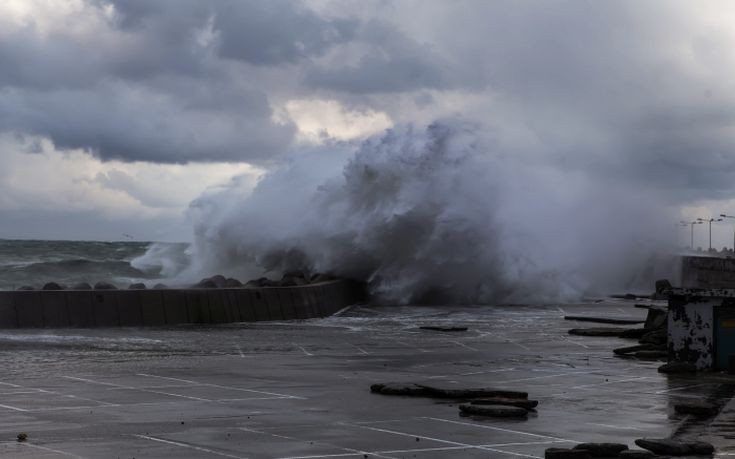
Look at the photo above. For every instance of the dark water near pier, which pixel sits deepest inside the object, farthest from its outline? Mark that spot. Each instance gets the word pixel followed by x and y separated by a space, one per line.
pixel 34 263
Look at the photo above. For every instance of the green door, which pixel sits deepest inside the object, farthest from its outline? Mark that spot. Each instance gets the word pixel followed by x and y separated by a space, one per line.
pixel 724 335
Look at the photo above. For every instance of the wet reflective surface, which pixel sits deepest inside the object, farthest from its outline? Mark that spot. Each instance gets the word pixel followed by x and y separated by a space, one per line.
pixel 301 389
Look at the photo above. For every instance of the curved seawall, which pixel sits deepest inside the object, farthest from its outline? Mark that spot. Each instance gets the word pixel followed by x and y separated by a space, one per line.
pixel 133 308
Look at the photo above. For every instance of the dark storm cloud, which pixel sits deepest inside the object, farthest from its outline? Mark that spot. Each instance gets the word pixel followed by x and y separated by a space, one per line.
pixel 185 80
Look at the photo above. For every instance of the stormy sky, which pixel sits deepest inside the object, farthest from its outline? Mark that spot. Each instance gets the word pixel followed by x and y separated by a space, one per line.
pixel 116 114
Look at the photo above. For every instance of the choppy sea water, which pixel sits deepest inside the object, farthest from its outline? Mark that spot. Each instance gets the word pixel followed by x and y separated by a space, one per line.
pixel 34 263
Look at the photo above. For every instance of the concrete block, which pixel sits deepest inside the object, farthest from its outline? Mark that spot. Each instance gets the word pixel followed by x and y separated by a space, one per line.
pixel 244 299
pixel 81 309
pixel 217 306
pixel 29 309
pixel 8 315
pixel 129 308
pixel 310 294
pixel 55 312
pixel 321 300
pixel 152 306
pixel 288 309
pixel 197 305
pixel 263 298
pixel 105 308
pixel 174 310
pixel 299 303
pixel 233 312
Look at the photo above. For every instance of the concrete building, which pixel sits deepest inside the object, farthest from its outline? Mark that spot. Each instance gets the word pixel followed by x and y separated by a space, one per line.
pixel 701 328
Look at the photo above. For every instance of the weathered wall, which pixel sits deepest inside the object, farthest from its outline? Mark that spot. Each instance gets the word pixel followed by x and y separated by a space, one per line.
pixel 121 308
pixel 690 331
pixel 707 272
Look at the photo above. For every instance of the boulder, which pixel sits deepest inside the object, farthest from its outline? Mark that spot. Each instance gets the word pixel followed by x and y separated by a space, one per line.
pixel 205 283
pixel 670 447
pixel 295 273
pixel 634 333
pixel 636 454
pixel 658 336
pixel 641 347
pixel 602 449
pixel 601 331
pixel 443 328
pixel 663 286
pixel 219 280
pixel 563 453
pixel 137 286
pixel 420 390
pixel 104 286
pixel 677 367
pixel 438 392
pixel 321 277
pixel 604 320
pixel 519 402
pixel 81 286
pixel 696 408
pixel 650 355
pixel 656 318
pixel 232 283
pixel 291 282
pixel 495 411
pixel 262 282
pixel 52 286
pixel 399 389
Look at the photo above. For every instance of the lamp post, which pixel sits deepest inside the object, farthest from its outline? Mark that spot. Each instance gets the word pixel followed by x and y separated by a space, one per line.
pixel 678 236
pixel 695 222
pixel 733 236
pixel 710 228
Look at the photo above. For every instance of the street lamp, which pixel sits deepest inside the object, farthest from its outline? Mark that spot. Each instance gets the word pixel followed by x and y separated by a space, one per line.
pixel 680 224
pixel 733 236
pixel 710 228
pixel 695 222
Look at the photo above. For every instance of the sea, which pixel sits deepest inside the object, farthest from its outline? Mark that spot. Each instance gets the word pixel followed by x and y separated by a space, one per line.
pixel 33 263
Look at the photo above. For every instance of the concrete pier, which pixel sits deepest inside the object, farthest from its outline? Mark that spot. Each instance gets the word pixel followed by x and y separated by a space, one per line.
pixel 133 308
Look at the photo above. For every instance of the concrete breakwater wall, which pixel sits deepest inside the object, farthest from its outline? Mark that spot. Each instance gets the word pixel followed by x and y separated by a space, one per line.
pixel 159 307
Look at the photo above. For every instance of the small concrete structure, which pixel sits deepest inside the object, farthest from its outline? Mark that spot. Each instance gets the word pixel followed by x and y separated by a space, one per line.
pixel 701 327
pixel 160 307
pixel 706 272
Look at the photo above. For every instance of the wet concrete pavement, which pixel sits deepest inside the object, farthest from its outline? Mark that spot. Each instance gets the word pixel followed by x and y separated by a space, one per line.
pixel 301 389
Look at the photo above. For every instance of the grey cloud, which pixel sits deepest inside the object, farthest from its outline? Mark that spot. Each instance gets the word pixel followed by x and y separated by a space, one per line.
pixel 180 81
pixel 115 121
pixel 392 63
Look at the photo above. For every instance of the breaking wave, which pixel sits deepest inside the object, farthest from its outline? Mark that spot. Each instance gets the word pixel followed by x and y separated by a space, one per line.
pixel 435 214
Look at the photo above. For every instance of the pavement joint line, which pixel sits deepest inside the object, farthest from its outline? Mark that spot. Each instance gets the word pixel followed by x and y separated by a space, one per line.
pixel 307 353
pixel 461 344
pixel 615 427
pixel 46 448
pixel 239 350
pixel 606 383
pixel 473 373
pixel 423 450
pixel 11 385
pixel 546 377
pixel 14 408
pixel 363 351
pixel 501 429
pixel 122 386
pixel 343 448
pixel 449 442
pixel 222 387
pixel 186 445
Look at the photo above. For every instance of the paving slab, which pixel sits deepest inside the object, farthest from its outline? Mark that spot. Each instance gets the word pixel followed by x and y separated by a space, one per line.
pixel 301 388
